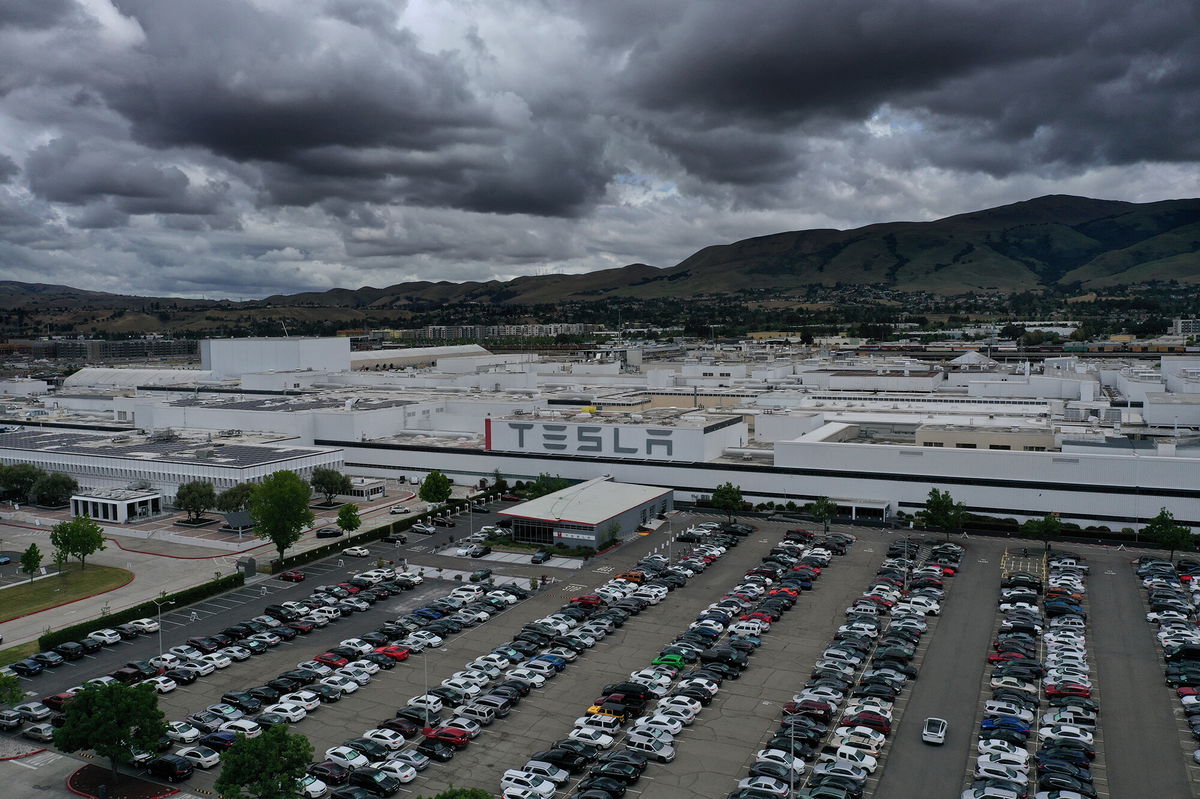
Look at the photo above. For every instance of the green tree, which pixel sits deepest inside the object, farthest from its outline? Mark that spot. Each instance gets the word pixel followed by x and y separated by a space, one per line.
pixel 545 484
pixel 112 720
pixel 279 509
pixel 31 561
pixel 498 481
pixel 78 538
pixel 329 482
pixel 608 536
pixel 19 479
pixel 941 512
pixel 235 498
pixel 11 691
pixel 266 767
pixel 823 509
pixel 728 498
pixel 1045 529
pixel 435 488
pixel 53 489
pixel 1165 531
pixel 348 518
pixel 196 497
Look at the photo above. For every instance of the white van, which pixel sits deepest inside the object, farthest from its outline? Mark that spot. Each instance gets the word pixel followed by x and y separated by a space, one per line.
pixel 655 750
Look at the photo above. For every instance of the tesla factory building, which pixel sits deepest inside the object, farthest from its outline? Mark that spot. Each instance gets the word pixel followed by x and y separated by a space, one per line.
pixel 585 514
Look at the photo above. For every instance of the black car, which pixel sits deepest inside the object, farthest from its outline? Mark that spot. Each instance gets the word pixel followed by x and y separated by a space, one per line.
pixel 435 750
pixel 376 782
pixel 1054 781
pixel 541 556
pixel 372 749
pixel 127 631
pixel 27 667
pixel 243 700
pixel 171 768
pixel 71 650
pixel 577 747
pixel 301 676
pixel 625 773
pixel 267 694
pixel 605 786
pixel 49 659
pixel 266 720
pixel 326 693
pixel 426 718
pixel 330 532
pixel 406 727
pixel 635 759
pixel 395 538
pixel 571 761
pixel 352 792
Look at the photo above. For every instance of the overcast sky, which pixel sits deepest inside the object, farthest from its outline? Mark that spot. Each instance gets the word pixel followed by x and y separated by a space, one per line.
pixel 238 148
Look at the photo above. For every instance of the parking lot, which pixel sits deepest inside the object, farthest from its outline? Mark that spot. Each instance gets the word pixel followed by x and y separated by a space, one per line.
pixel 1138 720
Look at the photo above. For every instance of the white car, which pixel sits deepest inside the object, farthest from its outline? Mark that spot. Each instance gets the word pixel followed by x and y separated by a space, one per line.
pixel 413 575
pixel 358 644
pixel 200 756
pixel 166 661
pixel 105 680
pixel 357 552
pixel 591 736
pixel 238 653
pixel 541 667
pixel 401 771
pixel 427 701
pixel 308 700
pixel 289 710
pixel 525 675
pixel 515 778
pixel 107 636
pixel 1018 759
pixel 767 785
pixel 363 665
pixel 144 626
pixel 202 667
pixel 685 703
pixel 186 652
pixel 351 673
pixel 217 659
pixel 1068 732
pixel 852 756
pixel 997 747
pixel 781 758
pixel 388 738
pixel 161 685
pixel 242 727
pixel 986 771
pixel 468 687
pixel 680 714
pixel 425 638
pixel 659 722
pixel 503 596
pixel 346 757
pixel 425 528
pixel 345 684
pixel 182 733
pixel 471 728
pixel 312 665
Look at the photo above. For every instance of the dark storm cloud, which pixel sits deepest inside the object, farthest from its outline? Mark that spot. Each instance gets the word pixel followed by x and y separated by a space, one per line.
pixel 35 14
pixel 257 146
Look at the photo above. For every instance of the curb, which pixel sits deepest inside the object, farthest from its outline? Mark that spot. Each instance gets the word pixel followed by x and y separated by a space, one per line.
pixel 77 792
pixel 124 548
pixel 132 577
pixel 26 754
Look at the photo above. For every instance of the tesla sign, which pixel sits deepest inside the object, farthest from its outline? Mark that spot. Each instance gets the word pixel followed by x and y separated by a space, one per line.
pixel 581 439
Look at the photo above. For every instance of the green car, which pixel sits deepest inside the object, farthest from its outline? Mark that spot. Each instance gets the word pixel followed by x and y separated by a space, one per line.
pixel 674 661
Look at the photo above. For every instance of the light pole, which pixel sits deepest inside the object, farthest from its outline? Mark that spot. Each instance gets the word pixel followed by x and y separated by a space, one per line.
pixel 159 606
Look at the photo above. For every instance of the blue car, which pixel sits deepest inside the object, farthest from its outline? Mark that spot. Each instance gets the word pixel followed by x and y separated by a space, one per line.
pixel 428 613
pixel 1005 723
pixel 220 741
pixel 753 639
pixel 554 660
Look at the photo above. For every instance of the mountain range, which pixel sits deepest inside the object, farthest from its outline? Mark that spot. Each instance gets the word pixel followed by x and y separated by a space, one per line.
pixel 1056 240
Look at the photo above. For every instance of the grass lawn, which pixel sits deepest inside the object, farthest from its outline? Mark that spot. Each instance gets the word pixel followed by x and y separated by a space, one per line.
pixel 69 585
pixel 18 652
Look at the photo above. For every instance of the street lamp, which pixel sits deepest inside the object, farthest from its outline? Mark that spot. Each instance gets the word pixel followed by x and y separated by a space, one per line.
pixel 160 606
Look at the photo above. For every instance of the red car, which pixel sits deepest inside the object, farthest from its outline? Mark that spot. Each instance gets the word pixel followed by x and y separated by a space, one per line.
pixel 998 657
pixel 394 652
pixel 332 660
pixel 353 589
pixel 821 711
pixel 510 497
pixel 447 735
pixel 874 721
pixel 590 600
pixel 292 577
pixel 57 701
pixel 1185 690
pixel 302 627
pixel 1068 689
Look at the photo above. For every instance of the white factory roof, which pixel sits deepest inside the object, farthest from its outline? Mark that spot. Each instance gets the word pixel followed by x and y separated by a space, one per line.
pixel 92 376
pixel 414 355
pixel 590 502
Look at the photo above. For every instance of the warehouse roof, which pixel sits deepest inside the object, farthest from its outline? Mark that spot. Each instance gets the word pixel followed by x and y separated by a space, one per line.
pixel 591 502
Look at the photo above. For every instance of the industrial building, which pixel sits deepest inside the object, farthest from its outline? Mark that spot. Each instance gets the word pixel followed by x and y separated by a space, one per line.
pixel 594 513
pixel 1106 442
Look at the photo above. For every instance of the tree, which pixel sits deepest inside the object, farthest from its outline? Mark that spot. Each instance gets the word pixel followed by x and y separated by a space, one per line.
pixel 112 720
pixel 498 481
pixel 31 561
pixel 1164 531
pixel 11 690
pixel 941 512
pixel 436 488
pixel 77 538
pixel 196 497
pixel 728 498
pixel 53 489
pixel 545 484
pixel 279 509
pixel 1046 529
pixel 823 510
pixel 19 479
pixel 266 767
pixel 348 518
pixel 235 498
pixel 329 482
pixel 608 536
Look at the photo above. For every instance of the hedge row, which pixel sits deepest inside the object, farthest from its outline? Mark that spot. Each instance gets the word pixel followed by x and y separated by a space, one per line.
pixel 374 534
pixel 144 610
